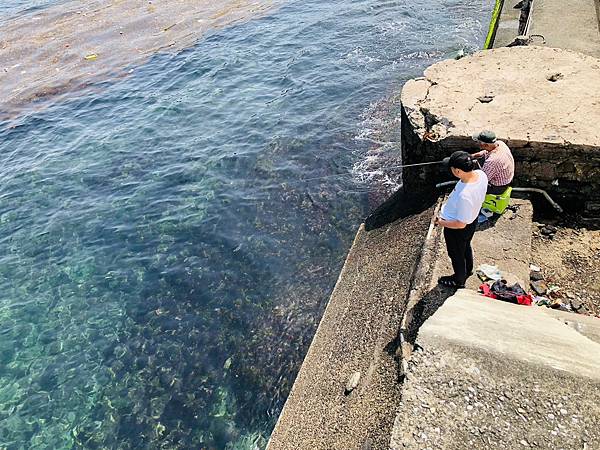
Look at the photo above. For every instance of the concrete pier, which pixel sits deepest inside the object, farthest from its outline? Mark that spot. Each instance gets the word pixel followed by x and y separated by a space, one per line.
pixel 567 24
pixel 355 345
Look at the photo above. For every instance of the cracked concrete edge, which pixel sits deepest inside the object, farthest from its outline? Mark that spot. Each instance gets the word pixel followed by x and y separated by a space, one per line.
pixel 424 122
pixel 419 115
pixel 427 125
pixel 421 281
pixel 589 326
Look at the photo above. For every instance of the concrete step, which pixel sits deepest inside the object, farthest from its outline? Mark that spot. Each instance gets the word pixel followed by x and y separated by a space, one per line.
pixel 526 333
pixel 490 374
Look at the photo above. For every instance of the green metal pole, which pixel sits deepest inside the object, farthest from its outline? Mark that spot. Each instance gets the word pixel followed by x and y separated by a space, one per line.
pixel 489 40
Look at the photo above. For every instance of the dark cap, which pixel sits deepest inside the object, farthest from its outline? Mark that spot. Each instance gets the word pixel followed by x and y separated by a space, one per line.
pixel 486 136
pixel 461 160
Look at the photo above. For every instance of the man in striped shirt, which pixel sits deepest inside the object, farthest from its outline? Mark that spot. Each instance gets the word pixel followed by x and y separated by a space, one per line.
pixel 499 165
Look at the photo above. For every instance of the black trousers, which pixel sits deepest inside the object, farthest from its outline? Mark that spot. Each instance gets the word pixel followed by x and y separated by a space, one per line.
pixel 458 244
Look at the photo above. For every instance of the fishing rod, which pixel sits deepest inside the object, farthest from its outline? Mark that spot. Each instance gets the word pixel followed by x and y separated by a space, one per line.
pixel 350 175
pixel 402 166
pixel 443 161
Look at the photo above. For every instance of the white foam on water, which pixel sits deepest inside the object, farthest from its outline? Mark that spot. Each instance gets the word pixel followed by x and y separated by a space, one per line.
pixel 378 168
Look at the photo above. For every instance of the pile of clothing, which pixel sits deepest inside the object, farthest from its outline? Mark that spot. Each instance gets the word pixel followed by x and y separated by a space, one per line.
pixel 494 286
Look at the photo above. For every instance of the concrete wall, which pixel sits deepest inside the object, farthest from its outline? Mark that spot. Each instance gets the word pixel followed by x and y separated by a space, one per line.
pixel 570 174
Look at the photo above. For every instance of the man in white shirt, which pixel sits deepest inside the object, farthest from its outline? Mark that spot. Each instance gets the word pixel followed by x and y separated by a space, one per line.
pixel 458 216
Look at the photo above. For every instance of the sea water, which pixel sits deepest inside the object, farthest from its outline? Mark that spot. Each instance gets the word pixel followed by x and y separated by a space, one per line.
pixel 169 240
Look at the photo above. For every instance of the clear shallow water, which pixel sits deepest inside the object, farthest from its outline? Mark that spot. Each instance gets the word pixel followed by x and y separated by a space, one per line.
pixel 163 266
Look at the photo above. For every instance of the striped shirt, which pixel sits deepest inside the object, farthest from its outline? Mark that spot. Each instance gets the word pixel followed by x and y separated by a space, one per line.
pixel 499 165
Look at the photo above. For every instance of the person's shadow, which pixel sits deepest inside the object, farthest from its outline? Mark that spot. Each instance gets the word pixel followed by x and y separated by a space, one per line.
pixel 425 308
pixel 490 223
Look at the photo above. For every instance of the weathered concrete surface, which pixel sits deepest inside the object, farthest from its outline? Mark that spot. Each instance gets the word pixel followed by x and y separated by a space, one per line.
pixel 525 106
pixel 43 54
pixel 508 24
pixel 544 102
pixel 358 333
pixel 495 375
pixel 506 244
pixel 523 333
pixel 589 326
pixel 568 24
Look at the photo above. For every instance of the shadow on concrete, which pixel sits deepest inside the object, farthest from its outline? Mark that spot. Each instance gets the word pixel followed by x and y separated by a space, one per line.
pixel 394 349
pixel 491 222
pixel 399 205
pixel 425 308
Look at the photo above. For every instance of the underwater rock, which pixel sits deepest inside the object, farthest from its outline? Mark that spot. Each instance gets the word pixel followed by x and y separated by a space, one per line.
pixel 48 379
pixel 141 362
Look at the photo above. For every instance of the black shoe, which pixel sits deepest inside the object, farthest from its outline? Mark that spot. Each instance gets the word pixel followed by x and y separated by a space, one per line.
pixel 450 282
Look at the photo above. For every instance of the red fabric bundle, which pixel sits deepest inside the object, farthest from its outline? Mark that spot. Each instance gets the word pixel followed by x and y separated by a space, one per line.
pixel 511 294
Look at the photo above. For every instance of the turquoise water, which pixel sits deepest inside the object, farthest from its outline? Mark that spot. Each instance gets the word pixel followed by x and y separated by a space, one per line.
pixel 169 241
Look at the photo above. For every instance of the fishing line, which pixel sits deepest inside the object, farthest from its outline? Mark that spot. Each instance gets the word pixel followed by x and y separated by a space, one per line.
pixel 349 174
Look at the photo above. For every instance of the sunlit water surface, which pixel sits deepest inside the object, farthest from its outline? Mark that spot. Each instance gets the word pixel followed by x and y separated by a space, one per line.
pixel 169 241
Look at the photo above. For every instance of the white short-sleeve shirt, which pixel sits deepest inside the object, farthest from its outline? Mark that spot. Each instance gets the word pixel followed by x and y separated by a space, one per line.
pixel 465 200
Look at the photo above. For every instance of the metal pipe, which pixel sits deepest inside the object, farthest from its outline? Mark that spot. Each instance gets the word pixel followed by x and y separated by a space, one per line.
pixel 445 183
pixel 491 35
pixel 529 18
pixel 544 193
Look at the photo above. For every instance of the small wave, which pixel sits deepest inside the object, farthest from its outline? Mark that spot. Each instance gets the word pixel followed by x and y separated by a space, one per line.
pixel 374 171
pixel 378 135
pixel 360 57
